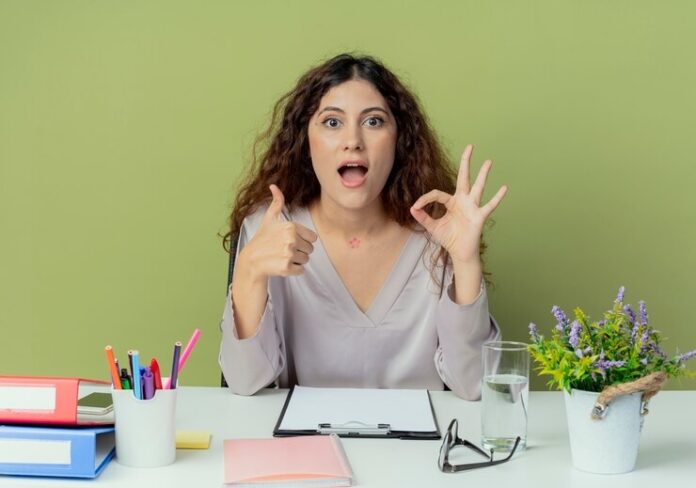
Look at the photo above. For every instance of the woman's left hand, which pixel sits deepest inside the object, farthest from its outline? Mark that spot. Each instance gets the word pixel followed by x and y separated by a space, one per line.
pixel 459 230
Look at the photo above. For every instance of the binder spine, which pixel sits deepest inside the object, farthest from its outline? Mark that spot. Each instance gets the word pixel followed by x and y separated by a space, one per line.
pixel 64 411
pixel 82 453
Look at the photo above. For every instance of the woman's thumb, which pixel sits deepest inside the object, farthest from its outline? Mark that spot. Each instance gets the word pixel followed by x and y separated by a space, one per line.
pixel 276 207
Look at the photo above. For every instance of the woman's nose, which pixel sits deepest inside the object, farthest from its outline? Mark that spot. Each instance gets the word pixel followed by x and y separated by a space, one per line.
pixel 354 141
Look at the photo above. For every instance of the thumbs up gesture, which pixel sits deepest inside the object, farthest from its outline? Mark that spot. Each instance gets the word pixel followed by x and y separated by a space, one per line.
pixel 279 247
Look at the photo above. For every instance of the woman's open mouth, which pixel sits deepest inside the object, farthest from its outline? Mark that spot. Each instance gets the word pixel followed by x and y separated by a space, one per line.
pixel 353 173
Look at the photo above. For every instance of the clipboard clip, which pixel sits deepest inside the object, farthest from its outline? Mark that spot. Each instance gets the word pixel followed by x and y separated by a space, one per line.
pixel 354 427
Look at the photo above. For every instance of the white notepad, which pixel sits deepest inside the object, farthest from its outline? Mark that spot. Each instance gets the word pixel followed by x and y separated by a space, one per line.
pixel 402 410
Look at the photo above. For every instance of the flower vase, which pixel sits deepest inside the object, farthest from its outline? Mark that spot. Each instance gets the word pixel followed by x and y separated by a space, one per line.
pixel 608 445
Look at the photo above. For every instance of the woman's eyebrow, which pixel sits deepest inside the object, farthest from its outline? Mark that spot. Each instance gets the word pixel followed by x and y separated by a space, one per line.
pixel 336 109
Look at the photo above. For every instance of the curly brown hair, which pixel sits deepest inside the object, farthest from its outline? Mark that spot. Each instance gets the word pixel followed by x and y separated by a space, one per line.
pixel 281 155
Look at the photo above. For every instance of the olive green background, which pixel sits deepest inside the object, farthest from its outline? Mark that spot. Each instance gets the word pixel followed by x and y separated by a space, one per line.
pixel 124 126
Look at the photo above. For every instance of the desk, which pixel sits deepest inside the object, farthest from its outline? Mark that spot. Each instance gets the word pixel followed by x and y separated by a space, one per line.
pixel 667 454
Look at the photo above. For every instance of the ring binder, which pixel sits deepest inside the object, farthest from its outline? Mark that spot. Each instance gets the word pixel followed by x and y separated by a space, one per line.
pixel 354 427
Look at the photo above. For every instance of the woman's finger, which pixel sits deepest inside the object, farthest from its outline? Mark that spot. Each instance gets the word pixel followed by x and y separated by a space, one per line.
pixel 424 219
pixel 433 196
pixel 480 183
pixel 305 233
pixel 304 246
pixel 294 270
pixel 299 257
pixel 276 207
pixel 495 201
pixel 463 175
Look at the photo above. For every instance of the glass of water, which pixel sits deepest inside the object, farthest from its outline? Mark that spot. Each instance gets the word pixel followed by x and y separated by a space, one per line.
pixel 504 395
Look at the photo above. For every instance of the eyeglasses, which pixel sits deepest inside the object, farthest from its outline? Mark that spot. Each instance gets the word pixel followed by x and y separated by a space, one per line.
pixel 452 440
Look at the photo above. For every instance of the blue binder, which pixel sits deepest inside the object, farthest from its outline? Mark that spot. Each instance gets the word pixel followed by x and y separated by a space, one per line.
pixel 68 452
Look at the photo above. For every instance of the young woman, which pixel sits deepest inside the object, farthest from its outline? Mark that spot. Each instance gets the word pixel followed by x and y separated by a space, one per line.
pixel 358 257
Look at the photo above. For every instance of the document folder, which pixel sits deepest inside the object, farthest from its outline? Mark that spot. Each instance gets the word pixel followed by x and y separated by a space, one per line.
pixel 358 412
pixel 67 452
pixel 291 461
pixel 44 400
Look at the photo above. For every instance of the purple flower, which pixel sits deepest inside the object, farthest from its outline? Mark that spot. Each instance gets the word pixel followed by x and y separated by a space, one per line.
pixel 656 349
pixel 604 364
pixel 580 353
pixel 620 295
pixel 630 313
pixel 686 356
pixel 574 338
pixel 644 337
pixel 643 313
pixel 644 361
pixel 634 333
pixel 561 318
pixel 533 332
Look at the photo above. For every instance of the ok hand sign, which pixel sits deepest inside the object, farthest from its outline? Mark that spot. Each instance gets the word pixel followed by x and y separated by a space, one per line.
pixel 459 230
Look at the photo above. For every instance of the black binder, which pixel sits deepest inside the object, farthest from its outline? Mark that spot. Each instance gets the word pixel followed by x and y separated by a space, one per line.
pixel 357 428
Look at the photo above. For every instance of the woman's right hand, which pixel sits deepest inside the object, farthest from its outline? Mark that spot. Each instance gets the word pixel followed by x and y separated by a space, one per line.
pixel 279 248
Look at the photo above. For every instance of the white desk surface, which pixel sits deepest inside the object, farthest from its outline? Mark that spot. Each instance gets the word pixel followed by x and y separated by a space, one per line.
pixel 667 455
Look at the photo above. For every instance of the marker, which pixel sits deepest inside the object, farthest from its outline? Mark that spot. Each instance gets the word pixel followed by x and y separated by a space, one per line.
pixel 125 379
pixel 175 365
pixel 148 384
pixel 154 367
pixel 115 379
pixel 136 375
pixel 130 362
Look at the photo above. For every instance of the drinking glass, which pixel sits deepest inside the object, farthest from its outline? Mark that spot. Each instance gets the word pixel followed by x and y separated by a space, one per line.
pixel 504 395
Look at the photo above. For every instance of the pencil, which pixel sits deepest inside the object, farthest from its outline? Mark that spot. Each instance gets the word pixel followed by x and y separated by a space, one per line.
pixel 137 386
pixel 115 378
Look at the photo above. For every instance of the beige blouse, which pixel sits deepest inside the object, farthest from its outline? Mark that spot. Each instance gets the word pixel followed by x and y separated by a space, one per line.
pixel 312 332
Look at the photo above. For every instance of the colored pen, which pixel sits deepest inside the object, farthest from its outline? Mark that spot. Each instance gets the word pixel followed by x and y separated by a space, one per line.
pixel 148 384
pixel 189 347
pixel 130 361
pixel 136 375
pixel 175 365
pixel 187 351
pixel 124 374
pixel 125 379
pixel 154 367
pixel 115 379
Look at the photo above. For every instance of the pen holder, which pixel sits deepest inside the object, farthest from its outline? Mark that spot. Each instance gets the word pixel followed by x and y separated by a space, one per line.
pixel 145 429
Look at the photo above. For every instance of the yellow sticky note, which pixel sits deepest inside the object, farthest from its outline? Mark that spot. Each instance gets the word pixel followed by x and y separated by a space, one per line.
pixel 192 439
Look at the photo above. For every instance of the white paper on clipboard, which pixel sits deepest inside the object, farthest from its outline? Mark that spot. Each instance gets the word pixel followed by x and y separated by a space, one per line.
pixel 402 410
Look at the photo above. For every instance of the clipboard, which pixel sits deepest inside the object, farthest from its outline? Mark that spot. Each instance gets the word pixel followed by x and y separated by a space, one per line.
pixel 357 410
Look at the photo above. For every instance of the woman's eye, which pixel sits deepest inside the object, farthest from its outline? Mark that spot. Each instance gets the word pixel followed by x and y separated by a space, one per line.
pixel 374 121
pixel 332 123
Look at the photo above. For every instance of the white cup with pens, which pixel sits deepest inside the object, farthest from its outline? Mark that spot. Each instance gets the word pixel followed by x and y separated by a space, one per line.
pixel 145 414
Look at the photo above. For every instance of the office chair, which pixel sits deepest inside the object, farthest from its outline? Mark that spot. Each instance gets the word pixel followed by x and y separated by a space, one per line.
pixel 230 272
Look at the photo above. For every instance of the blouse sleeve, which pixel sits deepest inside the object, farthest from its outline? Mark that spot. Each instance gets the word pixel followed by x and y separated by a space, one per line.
pixel 462 330
pixel 255 362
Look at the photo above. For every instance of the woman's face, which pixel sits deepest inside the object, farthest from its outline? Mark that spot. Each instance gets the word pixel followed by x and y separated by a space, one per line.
pixel 352 140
